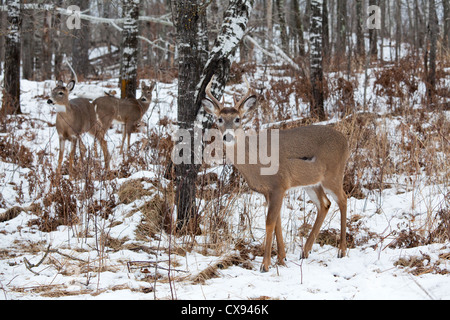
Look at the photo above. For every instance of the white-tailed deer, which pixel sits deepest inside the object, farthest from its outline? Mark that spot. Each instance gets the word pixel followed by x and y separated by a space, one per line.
pixel 313 157
pixel 75 117
pixel 127 111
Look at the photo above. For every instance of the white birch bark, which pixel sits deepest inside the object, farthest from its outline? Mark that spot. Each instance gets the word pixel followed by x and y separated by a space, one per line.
pixel 129 54
pixel 11 81
pixel 220 58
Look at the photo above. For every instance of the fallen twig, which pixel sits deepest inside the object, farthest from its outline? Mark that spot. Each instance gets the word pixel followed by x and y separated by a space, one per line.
pixel 29 265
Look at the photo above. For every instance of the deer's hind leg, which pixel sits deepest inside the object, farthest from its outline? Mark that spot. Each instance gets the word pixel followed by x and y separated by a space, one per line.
pixel 338 193
pixel 317 195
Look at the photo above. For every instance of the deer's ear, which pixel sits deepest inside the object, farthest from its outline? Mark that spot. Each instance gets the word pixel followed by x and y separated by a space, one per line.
pixel 71 85
pixel 248 105
pixel 210 107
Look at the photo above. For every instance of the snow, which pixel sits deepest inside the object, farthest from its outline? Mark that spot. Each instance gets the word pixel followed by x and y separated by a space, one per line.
pixel 79 265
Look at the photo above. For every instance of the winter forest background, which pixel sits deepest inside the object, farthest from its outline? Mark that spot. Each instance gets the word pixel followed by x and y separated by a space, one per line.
pixel 376 70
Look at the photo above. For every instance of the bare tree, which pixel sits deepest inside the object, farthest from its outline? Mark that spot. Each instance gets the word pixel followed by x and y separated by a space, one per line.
pixel 186 19
pixel 298 28
pixel 11 93
pixel 316 60
pixel 341 38
pixel 325 32
pixel 220 58
pixel 283 28
pixel 129 53
pixel 446 30
pixel 433 30
pixel 269 18
pixel 373 35
pixel 360 50
pixel 81 43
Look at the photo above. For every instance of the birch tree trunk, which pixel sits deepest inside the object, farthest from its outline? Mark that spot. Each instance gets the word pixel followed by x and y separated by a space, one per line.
pixel 316 60
pixel 129 49
pixel 220 58
pixel 11 81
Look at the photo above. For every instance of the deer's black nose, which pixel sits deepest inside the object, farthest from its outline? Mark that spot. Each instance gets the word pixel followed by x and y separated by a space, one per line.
pixel 228 138
pixel 50 101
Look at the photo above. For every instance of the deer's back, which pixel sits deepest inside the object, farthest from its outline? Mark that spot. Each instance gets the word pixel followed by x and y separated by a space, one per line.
pixel 306 155
pixel 112 108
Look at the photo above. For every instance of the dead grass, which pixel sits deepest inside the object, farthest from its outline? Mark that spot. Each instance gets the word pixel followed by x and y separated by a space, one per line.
pixel 420 265
pixel 156 218
pixel 132 190
pixel 212 271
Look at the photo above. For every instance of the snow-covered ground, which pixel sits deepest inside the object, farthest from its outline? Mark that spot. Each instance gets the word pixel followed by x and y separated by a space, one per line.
pixel 75 262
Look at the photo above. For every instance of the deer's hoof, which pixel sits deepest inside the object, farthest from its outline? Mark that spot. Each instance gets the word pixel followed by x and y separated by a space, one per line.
pixel 304 255
pixel 341 254
pixel 264 268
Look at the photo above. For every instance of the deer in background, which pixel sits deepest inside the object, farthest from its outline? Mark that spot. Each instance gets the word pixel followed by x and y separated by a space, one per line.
pixel 313 157
pixel 128 111
pixel 74 118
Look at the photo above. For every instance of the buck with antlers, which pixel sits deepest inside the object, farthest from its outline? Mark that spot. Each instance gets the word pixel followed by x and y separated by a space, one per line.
pixel 127 111
pixel 313 157
pixel 75 117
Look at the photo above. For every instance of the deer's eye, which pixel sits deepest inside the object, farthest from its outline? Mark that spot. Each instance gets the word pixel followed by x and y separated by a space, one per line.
pixel 220 120
pixel 237 120
pixel 60 93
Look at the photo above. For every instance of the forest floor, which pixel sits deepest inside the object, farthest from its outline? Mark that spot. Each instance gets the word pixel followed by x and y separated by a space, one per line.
pixel 105 237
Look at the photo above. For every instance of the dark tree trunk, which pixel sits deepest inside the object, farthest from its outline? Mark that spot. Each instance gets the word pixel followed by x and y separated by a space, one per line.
pixel 446 31
pixel 433 30
pixel 58 39
pixel 80 44
pixel 341 38
pixel 28 52
pixel 11 81
pixel 325 32
pixel 283 29
pixel 316 60
pixel 194 75
pixel 299 27
pixel 129 55
pixel 360 47
pixel 373 35
pixel 186 17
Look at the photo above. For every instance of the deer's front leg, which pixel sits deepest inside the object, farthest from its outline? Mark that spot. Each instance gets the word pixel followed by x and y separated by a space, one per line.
pixel 273 215
pixel 62 144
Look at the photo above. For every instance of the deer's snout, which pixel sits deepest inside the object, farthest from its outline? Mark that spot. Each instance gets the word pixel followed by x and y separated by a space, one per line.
pixel 50 101
pixel 229 137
